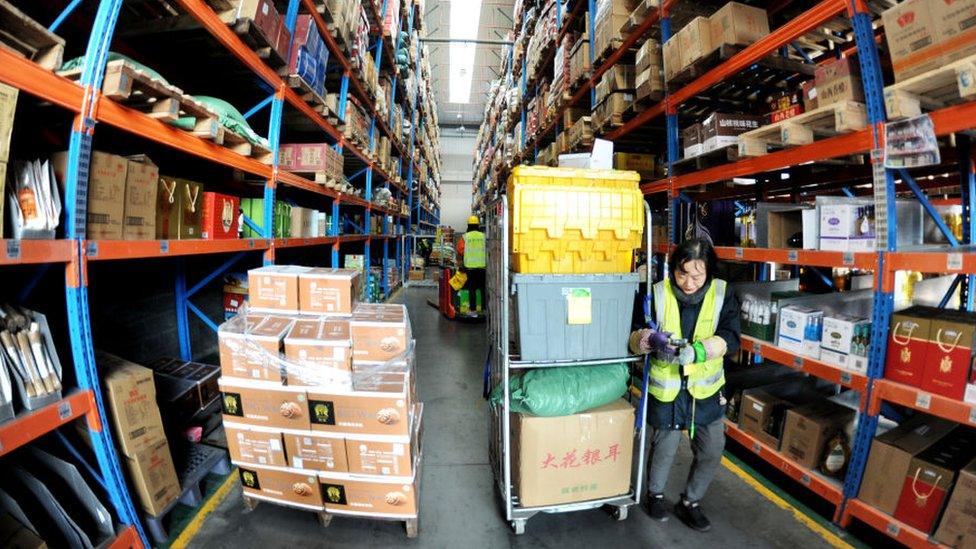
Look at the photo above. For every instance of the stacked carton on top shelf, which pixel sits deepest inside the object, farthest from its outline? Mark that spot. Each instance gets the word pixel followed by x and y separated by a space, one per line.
pixel 319 398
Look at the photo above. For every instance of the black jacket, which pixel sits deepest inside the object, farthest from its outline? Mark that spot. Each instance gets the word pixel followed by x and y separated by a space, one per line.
pixel 678 414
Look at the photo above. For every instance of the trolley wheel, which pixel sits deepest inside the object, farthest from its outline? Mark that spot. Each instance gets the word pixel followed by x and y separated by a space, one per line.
pixel 413 528
pixel 619 513
pixel 518 526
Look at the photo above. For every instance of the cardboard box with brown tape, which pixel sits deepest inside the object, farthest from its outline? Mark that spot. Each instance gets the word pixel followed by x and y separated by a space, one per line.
pixel 316 451
pixel 573 458
pixel 369 495
pixel 380 331
pixel 255 445
pixel 275 288
pixel 314 348
pixel 329 291
pixel 250 346
pixel 808 428
pixel 292 487
pixel 761 415
pixel 386 455
pixel 263 404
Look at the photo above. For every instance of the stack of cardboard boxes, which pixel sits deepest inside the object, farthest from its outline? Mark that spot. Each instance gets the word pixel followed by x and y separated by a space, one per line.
pixel 717 131
pixel 735 24
pixel 264 20
pixel 611 16
pixel 649 66
pixel 319 399
pixel 923 35
pixel 320 159
pixel 309 55
pixel 139 433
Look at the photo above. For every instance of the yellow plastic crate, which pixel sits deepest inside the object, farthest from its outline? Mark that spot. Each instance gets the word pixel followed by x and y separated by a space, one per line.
pixel 574 221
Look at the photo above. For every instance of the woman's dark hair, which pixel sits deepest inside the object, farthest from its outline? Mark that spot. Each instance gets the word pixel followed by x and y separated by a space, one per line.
pixel 690 250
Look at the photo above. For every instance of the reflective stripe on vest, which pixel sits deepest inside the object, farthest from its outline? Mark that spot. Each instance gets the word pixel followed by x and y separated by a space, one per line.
pixel 705 378
pixel 474 250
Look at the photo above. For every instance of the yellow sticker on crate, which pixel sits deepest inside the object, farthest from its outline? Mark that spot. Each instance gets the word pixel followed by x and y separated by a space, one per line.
pixel 579 305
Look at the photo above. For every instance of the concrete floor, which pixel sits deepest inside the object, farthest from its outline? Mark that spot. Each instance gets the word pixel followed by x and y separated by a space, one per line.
pixel 459 507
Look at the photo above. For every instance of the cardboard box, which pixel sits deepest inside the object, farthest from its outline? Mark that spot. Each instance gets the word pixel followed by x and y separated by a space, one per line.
pixel 671 56
pixel 380 331
pixel 846 228
pixel 912 36
pixel 275 288
pixel 930 477
pixel 8 107
pixel 692 141
pixel 762 415
pixel 640 163
pixel 792 330
pixel 781 225
pixel 179 209
pixel 255 445
pixel 908 346
pixel 809 427
pixel 649 55
pixel 316 451
pixel 838 81
pixel 329 291
pixel 958 525
pixel 890 456
pixel 808 92
pixel 263 404
pixel 371 496
pixel 131 396
pixel 950 354
pixel 141 186
pixel 249 346
pixel 721 130
pixel 184 388
pixel 106 193
pixel 263 15
pixel 695 41
pixel 954 23
pixel 294 487
pixel 153 475
pixel 386 456
pixel 317 347
pixel 573 458
pixel 368 412
pixel 220 216
pixel 838 338
pixel 737 24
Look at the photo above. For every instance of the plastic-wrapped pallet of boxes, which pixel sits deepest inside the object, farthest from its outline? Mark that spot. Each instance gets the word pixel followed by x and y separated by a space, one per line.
pixel 318 396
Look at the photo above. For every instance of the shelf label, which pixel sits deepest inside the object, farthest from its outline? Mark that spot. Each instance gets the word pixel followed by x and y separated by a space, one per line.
pixel 923 401
pixel 798 362
pixel 893 529
pixel 91 250
pixel 64 410
pixel 846 378
pixel 805 479
pixel 250 243
pixel 793 256
pixel 13 249
pixel 756 447
pixel 164 246
pixel 954 262
pixel 848 258
pixel 738 253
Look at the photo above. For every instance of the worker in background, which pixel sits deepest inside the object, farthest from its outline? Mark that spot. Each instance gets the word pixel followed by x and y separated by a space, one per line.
pixel 473 254
pixel 685 382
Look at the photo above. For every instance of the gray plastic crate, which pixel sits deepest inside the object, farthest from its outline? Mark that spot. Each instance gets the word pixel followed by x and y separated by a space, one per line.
pixel 543 316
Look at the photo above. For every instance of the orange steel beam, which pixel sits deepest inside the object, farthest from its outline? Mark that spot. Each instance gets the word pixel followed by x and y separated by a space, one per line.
pixel 792 30
pixel 913 397
pixel 841 145
pixel 886 524
pixel 28 76
pixel 653 187
pixel 109 250
pixel 22 252
pixel 33 425
pixel 820 258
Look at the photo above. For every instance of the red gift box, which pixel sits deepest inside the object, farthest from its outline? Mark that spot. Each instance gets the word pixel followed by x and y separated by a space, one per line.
pixel 908 347
pixel 221 213
pixel 949 357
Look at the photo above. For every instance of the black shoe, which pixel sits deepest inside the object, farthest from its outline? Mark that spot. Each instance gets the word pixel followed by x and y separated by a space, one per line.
pixel 692 515
pixel 657 507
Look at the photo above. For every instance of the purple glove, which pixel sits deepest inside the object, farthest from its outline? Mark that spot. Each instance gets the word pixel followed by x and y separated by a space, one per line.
pixel 653 340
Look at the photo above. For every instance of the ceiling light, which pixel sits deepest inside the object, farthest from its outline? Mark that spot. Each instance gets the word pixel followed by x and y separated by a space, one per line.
pixel 465 18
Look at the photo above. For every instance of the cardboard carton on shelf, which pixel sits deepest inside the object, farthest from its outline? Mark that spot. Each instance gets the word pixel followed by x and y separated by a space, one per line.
pixel 316 347
pixel 913 38
pixel 131 394
pixel 839 81
pixel 184 389
pixel 958 525
pixel 220 216
pixel 722 130
pixel 263 404
pixel 737 24
pixel 836 344
pixel 275 288
pixel 329 291
pixel 371 496
pixel 106 193
pixel 572 458
pixel 891 455
pixel 386 456
pixel 809 427
pixel 692 141
pixel 908 346
pixel 153 476
pixel 794 330
pixel 671 57
pixel 8 108
pixel 294 487
pixel 695 41
pixel 315 451
pixel 931 476
pixel 141 187
pixel 250 345
pixel 952 339
pixel 761 414
pixel 255 445
pixel 179 211
pixel 640 163
pixel 649 55
pixel 954 22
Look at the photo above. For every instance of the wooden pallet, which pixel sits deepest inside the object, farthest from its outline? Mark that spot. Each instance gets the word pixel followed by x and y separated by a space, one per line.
pixel 637 16
pixel 136 89
pixel 947 85
pixel 639 105
pixel 706 160
pixel 723 53
pixel 27 38
pixel 243 147
pixel 843 117
pixel 254 37
pixel 611 47
pixel 305 91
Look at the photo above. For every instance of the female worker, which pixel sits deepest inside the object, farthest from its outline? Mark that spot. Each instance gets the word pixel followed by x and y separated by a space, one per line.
pixel 686 380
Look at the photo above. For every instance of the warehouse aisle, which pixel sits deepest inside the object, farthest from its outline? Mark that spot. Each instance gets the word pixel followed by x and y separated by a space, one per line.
pixel 458 505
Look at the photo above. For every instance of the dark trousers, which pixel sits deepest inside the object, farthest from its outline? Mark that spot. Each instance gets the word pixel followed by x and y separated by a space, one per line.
pixel 476 281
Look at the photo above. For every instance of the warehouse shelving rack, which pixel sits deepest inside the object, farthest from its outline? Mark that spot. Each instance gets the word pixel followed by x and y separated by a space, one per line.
pixel 84 99
pixel 958 259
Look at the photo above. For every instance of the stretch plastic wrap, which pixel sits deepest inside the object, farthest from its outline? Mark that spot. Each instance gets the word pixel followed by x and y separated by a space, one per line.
pixel 564 391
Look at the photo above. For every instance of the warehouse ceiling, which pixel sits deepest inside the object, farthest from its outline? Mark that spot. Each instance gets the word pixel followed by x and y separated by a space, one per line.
pixel 494 24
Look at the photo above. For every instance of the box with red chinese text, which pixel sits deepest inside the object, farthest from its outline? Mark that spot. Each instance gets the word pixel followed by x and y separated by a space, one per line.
pixel 573 458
